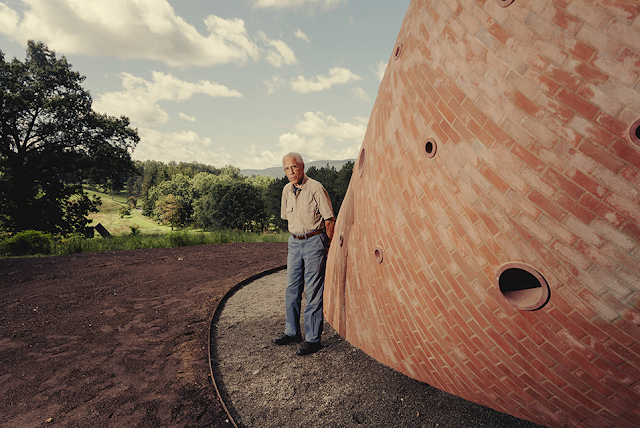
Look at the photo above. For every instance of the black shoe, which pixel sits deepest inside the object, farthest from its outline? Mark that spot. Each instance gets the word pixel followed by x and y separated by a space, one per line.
pixel 309 348
pixel 283 339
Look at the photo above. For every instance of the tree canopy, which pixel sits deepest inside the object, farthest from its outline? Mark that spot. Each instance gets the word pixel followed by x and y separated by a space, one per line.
pixel 218 198
pixel 51 141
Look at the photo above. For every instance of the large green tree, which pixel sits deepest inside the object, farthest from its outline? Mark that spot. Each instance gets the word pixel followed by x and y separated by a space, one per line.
pixel 180 189
pixel 236 205
pixel 51 141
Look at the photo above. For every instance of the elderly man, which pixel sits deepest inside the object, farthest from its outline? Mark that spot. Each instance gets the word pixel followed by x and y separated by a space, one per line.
pixel 307 208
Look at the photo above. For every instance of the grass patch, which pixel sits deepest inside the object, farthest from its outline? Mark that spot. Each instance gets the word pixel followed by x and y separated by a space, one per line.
pixel 109 216
pixel 181 238
pixel 148 234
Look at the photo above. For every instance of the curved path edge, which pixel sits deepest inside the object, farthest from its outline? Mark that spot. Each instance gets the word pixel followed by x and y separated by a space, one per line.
pixel 213 321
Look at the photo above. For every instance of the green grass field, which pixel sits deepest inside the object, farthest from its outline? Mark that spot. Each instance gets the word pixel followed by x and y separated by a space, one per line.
pixel 149 234
pixel 109 216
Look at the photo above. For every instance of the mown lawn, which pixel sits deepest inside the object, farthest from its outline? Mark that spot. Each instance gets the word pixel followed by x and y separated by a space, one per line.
pixel 109 216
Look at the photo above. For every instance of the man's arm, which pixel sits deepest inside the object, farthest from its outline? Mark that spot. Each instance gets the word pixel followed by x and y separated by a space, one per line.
pixel 330 225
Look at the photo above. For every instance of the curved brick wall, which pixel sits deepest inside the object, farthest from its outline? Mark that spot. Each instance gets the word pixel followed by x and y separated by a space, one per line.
pixel 533 158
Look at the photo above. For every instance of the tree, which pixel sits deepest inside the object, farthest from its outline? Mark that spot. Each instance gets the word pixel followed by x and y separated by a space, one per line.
pixel 169 211
pixel 179 187
pixel 51 141
pixel 336 182
pixel 75 212
pixel 263 184
pixel 273 198
pixel 236 205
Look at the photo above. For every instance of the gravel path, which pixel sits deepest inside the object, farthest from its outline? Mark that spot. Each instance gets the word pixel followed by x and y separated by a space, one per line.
pixel 265 385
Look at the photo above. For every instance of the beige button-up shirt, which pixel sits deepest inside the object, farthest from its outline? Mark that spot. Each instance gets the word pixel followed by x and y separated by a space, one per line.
pixel 308 209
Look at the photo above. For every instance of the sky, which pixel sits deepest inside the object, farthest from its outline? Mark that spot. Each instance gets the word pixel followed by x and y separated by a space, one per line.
pixel 222 82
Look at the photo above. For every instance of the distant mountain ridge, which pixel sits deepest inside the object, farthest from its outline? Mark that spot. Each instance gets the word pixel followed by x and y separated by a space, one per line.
pixel 278 172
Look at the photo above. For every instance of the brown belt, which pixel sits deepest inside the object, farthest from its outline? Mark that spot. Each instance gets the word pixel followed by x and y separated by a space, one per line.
pixel 307 235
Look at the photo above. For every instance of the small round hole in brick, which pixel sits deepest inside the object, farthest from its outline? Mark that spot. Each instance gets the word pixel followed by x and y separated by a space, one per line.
pixel 430 147
pixel 378 254
pixel 505 3
pixel 634 132
pixel 522 286
pixel 361 163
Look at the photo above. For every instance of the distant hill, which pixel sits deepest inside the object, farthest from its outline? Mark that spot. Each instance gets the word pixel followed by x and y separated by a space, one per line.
pixel 278 172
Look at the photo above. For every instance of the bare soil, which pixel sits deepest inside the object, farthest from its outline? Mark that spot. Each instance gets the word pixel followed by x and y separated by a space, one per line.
pixel 117 339
pixel 120 339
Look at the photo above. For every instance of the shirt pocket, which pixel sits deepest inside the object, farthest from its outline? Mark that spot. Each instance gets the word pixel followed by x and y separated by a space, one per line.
pixel 288 211
pixel 309 214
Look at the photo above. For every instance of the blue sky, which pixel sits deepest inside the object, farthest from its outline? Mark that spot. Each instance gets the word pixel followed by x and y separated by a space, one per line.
pixel 222 82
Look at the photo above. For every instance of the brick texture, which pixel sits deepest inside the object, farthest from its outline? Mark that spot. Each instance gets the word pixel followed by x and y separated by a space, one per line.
pixel 531 108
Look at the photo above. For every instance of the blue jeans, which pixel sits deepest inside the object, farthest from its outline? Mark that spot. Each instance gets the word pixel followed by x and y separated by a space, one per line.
pixel 306 262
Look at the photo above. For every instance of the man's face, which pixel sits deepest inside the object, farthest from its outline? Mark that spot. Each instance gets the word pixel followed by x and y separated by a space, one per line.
pixel 294 171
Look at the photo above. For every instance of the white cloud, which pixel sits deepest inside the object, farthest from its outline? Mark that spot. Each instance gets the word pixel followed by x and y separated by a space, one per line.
pixel 299 34
pixel 361 94
pixel 274 83
pixel 311 149
pixel 279 53
pixel 187 117
pixel 316 137
pixel 381 69
pixel 139 99
pixel 185 146
pixel 337 76
pixel 147 29
pixel 315 148
pixel 260 159
pixel 320 125
pixel 8 19
pixel 296 4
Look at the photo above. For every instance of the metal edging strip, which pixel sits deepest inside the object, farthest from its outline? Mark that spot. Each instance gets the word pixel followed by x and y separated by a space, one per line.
pixel 214 318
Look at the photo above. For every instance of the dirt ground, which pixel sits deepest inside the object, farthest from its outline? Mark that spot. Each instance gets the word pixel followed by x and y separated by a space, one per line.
pixel 120 339
pixel 117 339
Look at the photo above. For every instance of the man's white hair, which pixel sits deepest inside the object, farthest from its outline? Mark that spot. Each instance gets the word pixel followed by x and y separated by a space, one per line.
pixel 296 156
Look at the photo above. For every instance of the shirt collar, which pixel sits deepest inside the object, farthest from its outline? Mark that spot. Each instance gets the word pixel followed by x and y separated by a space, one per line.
pixel 295 189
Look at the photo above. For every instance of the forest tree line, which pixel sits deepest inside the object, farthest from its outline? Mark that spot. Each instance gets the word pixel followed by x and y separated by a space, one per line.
pixel 194 194
pixel 52 144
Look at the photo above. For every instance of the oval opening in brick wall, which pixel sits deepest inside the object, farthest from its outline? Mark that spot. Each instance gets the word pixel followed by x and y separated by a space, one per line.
pixel 361 163
pixel 398 51
pixel 634 132
pixel 522 286
pixel 430 147
pixel 378 254
pixel 504 3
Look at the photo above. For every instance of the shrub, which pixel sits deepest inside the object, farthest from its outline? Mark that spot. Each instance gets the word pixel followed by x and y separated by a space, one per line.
pixel 28 242
pixel 178 239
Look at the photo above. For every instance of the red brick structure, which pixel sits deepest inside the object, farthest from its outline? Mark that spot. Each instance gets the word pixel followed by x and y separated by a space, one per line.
pixel 489 243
